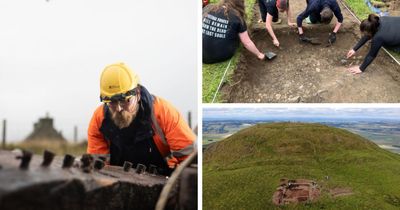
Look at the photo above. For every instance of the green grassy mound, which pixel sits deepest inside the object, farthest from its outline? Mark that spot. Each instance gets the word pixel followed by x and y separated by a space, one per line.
pixel 243 171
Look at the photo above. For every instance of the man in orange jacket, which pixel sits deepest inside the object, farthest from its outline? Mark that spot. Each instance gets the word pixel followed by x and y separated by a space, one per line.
pixel 133 125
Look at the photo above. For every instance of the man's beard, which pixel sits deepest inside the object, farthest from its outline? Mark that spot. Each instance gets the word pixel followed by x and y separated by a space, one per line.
pixel 122 119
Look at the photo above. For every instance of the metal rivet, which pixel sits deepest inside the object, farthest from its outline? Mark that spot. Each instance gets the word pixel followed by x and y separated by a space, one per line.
pixel 25 159
pixel 68 161
pixel 153 169
pixel 98 164
pixel 87 163
pixel 47 158
pixel 127 166
pixel 140 168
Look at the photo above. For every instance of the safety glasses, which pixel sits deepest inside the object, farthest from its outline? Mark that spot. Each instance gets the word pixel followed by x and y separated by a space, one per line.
pixel 122 99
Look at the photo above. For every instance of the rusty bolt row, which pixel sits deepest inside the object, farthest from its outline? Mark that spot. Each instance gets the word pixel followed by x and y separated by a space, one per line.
pixel 88 163
pixel 140 168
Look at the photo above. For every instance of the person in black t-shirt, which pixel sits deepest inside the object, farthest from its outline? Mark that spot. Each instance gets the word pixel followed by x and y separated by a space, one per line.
pixel 269 10
pixel 383 31
pixel 223 27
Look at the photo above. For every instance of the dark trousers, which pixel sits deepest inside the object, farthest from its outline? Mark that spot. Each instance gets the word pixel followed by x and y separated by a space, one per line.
pixel 395 48
pixel 315 17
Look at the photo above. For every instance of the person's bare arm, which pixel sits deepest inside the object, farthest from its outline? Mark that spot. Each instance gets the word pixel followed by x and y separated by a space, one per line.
pixel 337 27
pixel 268 25
pixel 338 15
pixel 249 45
pixel 300 30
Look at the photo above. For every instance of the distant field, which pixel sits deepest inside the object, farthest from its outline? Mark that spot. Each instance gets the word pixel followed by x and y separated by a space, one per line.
pixel 58 147
pixel 216 132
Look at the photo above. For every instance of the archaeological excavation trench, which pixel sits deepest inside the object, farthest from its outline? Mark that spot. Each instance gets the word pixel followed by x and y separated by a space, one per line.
pixel 311 73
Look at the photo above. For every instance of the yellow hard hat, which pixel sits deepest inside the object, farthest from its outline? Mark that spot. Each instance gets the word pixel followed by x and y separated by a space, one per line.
pixel 117 79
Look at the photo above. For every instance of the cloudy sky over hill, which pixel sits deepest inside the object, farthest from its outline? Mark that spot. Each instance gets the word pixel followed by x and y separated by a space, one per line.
pixel 288 111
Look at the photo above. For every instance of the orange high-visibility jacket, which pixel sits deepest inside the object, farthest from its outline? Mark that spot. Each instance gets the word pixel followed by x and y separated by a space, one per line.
pixel 179 136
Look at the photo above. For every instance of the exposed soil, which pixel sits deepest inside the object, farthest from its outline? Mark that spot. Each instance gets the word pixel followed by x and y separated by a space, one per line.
pixel 311 73
pixel 296 191
pixel 337 192
pixel 394 7
pixel 391 6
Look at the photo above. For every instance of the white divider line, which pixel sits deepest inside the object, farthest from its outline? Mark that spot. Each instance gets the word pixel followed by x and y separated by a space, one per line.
pixel 222 79
pixel 348 9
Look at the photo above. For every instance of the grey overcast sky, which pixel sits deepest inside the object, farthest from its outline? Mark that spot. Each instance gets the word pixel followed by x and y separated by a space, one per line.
pixel 52 53
pixel 352 111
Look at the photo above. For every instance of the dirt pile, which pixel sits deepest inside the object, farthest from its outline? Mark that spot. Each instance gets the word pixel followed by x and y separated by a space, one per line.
pixel 337 192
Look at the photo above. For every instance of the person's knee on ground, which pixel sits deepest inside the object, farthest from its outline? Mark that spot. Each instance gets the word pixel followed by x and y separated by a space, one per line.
pixel 276 21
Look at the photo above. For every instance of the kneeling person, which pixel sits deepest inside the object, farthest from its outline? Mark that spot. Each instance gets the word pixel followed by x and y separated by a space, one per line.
pixel 269 10
pixel 321 11
pixel 382 31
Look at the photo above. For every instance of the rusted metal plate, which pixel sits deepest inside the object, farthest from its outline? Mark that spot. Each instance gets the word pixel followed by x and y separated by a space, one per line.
pixel 53 187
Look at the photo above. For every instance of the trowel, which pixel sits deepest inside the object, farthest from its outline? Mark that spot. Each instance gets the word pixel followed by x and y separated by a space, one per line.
pixel 348 61
pixel 313 41
pixel 270 55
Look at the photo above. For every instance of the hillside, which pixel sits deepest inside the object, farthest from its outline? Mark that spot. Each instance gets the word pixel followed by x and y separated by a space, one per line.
pixel 243 171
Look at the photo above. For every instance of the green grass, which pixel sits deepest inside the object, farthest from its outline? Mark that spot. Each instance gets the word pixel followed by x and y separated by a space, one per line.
pixel 213 73
pixel 211 138
pixel 58 147
pixel 359 8
pixel 243 171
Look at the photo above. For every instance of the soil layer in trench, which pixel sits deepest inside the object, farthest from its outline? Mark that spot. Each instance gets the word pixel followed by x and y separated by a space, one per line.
pixel 311 73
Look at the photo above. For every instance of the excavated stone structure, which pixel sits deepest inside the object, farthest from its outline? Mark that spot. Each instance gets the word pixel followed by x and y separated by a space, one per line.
pixel 295 191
